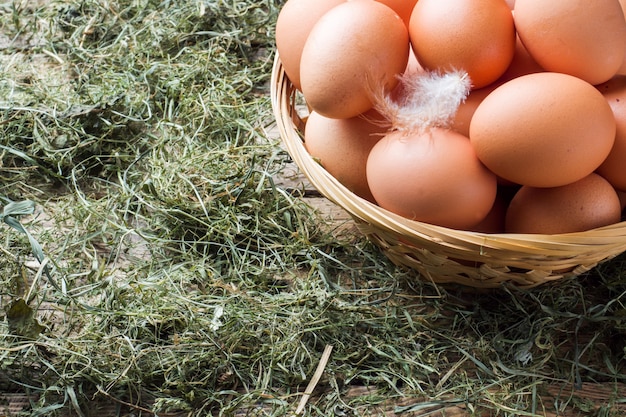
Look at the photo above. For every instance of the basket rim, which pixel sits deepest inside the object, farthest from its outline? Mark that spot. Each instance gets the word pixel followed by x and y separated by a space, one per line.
pixel 598 243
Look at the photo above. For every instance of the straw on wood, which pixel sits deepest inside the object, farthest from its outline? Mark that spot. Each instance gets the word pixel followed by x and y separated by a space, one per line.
pixel 440 254
pixel 316 377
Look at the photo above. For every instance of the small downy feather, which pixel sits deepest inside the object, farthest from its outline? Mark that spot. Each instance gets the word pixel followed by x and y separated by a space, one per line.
pixel 430 99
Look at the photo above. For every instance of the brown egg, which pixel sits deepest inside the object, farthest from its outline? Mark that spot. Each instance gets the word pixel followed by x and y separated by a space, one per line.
pixel 404 8
pixel 477 36
pixel 622 198
pixel 294 22
pixel 622 68
pixel 342 146
pixel 465 112
pixel 413 69
pixel 614 166
pixel 355 51
pixel 521 64
pixel 494 221
pixel 544 130
pixel 583 205
pixel 583 38
pixel 432 177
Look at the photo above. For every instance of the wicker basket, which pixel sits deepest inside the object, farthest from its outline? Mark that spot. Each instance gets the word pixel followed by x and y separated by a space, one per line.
pixel 440 254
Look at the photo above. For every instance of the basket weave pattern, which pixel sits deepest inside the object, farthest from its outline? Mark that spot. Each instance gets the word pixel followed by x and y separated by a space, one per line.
pixel 440 254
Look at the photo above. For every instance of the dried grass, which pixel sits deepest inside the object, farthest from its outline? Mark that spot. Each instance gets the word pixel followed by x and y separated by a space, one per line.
pixel 185 281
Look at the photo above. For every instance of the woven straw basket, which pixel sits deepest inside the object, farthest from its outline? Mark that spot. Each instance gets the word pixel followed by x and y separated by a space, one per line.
pixel 444 255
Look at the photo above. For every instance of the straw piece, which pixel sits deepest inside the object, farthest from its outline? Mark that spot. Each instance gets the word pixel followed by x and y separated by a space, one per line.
pixel 316 377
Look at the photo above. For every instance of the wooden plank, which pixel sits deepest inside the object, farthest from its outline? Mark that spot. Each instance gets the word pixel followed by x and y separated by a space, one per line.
pixel 588 399
pixel 292 179
pixel 12 404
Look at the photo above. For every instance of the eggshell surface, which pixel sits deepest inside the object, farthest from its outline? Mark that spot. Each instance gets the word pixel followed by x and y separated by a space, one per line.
pixel 465 112
pixel 494 222
pixel 404 8
pixel 583 38
pixel 614 166
pixel 521 64
pixel 543 130
pixel 342 146
pixel 622 68
pixel 353 52
pixel 477 36
pixel 294 22
pixel 622 198
pixel 583 205
pixel 433 178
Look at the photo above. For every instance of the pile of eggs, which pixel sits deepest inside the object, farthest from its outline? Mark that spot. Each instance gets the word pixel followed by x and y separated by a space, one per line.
pixel 537 144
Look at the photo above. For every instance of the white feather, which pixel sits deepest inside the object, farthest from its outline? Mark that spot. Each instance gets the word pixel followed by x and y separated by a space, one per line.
pixel 430 99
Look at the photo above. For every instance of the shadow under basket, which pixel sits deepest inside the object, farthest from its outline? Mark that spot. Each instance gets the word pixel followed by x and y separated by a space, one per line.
pixel 440 254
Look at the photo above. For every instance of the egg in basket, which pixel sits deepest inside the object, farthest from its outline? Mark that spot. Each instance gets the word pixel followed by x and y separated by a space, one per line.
pixel 474 164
